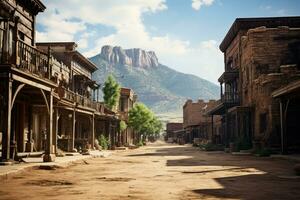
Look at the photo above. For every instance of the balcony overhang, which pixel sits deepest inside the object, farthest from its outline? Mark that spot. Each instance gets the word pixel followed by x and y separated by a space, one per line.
pixel 228 75
pixel 292 89
pixel 219 109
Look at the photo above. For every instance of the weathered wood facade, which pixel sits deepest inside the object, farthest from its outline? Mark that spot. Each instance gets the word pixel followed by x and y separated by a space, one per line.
pixel 47 97
pixel 126 102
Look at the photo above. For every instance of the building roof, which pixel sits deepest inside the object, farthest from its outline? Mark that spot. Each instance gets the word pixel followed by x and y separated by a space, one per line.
pixel 291 88
pixel 70 47
pixel 86 61
pixel 174 126
pixel 249 23
pixel 127 92
pixel 36 5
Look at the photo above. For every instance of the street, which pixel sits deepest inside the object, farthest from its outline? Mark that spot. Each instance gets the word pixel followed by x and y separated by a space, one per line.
pixel 159 171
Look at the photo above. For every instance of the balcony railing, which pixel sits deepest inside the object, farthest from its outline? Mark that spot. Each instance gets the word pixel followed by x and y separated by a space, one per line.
pixel 230 97
pixel 33 61
pixel 83 101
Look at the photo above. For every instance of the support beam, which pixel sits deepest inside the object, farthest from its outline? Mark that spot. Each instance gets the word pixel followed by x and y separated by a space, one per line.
pixel 49 156
pixel 19 88
pixel 212 129
pixel 93 132
pixel 283 112
pixel 72 144
pixel 7 121
pixel 29 144
pixel 55 132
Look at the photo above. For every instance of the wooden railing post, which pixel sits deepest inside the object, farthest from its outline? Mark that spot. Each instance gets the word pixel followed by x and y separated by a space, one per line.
pixel 49 70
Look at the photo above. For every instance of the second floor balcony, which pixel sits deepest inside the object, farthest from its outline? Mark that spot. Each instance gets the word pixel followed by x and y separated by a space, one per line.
pixel 81 100
pixel 28 59
pixel 230 98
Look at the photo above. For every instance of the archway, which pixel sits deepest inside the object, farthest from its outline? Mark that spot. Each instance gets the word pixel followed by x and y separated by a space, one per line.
pixel 29 119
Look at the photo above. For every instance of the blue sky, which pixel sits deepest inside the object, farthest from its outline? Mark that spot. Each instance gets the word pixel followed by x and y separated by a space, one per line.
pixel 185 34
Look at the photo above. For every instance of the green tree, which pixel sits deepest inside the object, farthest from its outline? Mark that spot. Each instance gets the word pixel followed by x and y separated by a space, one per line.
pixel 142 120
pixel 111 93
pixel 123 125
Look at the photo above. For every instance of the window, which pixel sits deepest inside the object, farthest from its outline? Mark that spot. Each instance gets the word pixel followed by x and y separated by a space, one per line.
pixel 122 105
pixel 21 35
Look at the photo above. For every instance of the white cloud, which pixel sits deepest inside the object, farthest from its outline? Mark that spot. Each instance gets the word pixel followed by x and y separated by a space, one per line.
pixel 196 4
pixel 63 20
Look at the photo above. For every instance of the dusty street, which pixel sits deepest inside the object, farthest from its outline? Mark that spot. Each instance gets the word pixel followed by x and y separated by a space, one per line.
pixel 159 171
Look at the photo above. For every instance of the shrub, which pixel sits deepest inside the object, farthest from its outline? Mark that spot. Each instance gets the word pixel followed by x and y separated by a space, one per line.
pixel 103 142
pixel 141 143
pixel 243 143
pixel 211 147
pixel 263 152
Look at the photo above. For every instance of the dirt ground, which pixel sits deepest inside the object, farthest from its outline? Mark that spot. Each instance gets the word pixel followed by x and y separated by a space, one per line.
pixel 159 171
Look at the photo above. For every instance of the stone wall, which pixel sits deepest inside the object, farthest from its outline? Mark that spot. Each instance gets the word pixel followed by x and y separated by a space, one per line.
pixel 267 58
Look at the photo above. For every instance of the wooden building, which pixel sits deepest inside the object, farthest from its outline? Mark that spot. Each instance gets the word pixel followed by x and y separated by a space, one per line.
pixel 47 97
pixel 197 125
pixel 172 130
pixel 126 102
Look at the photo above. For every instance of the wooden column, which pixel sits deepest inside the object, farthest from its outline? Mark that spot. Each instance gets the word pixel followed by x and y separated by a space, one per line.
pixel 55 132
pixel 93 132
pixel 16 38
pixel 283 109
pixel 49 156
pixel 221 90
pixel 6 43
pixel 72 146
pixel 29 144
pixel 212 129
pixel 7 121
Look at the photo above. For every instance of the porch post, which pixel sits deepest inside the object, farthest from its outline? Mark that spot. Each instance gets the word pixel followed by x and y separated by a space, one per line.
pixel 56 118
pixel 212 129
pixel 29 144
pixel 72 146
pixel 221 89
pixel 283 126
pixel 7 121
pixel 49 156
pixel 93 133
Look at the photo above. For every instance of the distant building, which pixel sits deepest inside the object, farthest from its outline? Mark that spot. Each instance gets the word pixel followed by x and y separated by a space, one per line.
pixel 260 86
pixel 127 100
pixel 172 129
pixel 197 124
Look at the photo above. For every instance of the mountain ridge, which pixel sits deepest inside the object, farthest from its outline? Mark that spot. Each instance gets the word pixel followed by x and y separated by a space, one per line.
pixel 160 87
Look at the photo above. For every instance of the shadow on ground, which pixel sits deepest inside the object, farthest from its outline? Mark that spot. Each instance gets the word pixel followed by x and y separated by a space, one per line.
pixel 252 177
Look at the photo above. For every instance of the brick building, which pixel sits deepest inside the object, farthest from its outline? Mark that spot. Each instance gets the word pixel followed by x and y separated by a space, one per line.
pixel 172 128
pixel 261 55
pixel 197 124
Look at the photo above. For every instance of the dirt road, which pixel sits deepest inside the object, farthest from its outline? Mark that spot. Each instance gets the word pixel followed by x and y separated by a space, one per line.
pixel 159 171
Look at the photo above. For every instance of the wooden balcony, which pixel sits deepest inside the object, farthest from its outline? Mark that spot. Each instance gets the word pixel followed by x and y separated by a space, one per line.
pixel 228 76
pixel 30 60
pixel 231 98
pixel 82 101
pixel 27 59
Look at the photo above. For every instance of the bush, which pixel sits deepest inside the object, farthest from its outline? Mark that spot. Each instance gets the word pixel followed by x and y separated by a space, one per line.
pixel 103 142
pixel 243 143
pixel 140 144
pixel 263 152
pixel 211 147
